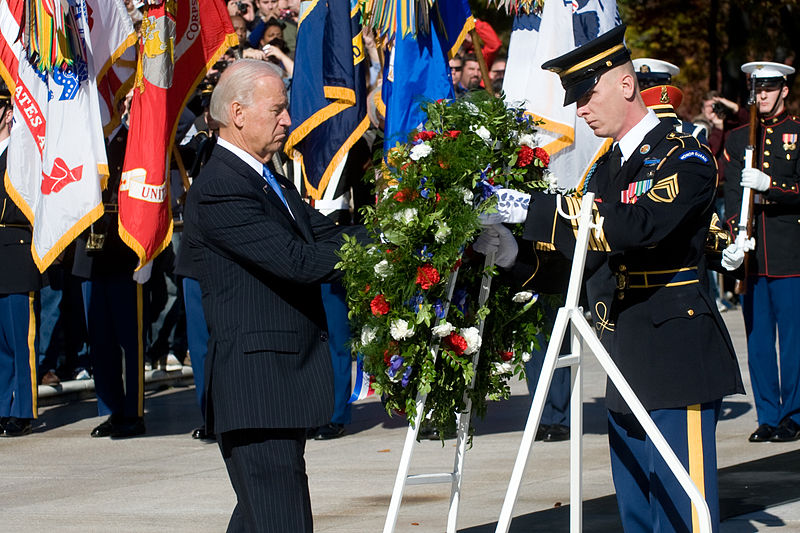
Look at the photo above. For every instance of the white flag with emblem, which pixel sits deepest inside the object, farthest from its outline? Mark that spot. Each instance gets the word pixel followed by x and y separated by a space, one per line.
pixel 56 154
pixel 562 26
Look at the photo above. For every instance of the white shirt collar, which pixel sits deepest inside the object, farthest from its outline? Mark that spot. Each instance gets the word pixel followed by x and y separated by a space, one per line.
pixel 631 140
pixel 251 161
pixel 3 146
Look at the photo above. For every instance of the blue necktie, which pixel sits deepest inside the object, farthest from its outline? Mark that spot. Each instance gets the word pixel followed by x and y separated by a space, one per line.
pixel 270 179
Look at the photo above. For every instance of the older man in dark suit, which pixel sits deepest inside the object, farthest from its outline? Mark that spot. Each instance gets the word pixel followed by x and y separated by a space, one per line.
pixel 260 254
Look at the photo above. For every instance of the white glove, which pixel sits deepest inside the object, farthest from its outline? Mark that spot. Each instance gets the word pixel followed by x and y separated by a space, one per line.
pixel 512 208
pixel 501 241
pixel 755 179
pixel 732 257
pixel 143 274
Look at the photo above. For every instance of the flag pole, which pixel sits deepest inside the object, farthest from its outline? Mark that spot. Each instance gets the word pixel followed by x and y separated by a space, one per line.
pixel 477 44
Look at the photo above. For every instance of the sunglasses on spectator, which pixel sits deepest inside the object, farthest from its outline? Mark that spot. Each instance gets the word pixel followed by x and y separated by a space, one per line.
pixel 457 69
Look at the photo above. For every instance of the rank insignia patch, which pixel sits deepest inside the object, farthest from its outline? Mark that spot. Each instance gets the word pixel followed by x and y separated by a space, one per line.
pixel 634 191
pixel 665 191
pixel 789 141
pixel 694 154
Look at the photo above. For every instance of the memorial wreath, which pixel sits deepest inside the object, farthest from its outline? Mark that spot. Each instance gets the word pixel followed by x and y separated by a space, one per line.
pixel 431 194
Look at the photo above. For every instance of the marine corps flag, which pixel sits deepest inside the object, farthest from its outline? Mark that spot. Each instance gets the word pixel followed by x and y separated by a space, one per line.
pixel 179 42
pixel 329 74
pixel 52 55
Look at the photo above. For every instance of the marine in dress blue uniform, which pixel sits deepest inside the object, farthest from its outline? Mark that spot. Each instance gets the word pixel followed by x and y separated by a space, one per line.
pixel 655 191
pixel 771 306
pixel 20 282
pixel 113 304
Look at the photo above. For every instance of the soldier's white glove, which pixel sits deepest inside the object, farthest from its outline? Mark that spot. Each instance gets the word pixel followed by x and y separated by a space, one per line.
pixel 143 274
pixel 732 257
pixel 512 208
pixel 501 241
pixel 755 179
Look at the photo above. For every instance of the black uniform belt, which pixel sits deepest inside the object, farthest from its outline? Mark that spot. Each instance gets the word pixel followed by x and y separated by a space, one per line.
pixel 111 208
pixel 656 278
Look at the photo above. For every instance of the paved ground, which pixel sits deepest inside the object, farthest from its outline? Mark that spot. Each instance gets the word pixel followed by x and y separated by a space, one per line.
pixel 61 479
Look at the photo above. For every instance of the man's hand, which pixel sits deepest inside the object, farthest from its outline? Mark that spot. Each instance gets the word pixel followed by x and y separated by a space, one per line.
pixel 501 241
pixel 755 179
pixel 512 208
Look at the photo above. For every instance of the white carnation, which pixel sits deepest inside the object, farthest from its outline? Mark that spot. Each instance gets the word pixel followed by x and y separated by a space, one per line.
pixel 503 368
pixel 526 356
pixel 483 133
pixel 473 339
pixel 421 150
pixel 471 107
pixel 441 232
pixel 468 196
pixel 400 330
pixel 527 139
pixel 443 329
pixel 382 269
pixel 368 335
pixel 520 298
pixel 406 216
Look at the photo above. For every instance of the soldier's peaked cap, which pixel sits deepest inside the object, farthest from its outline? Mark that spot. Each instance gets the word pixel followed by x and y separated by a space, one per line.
pixel 767 73
pixel 580 69
pixel 654 69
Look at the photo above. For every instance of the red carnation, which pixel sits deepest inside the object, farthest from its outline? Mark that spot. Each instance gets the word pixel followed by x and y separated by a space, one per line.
pixel 424 136
pixel 427 276
pixel 456 265
pixel 379 305
pixel 438 198
pixel 367 288
pixel 506 356
pixel 457 343
pixel 525 156
pixel 542 155
pixel 400 196
pixel 454 133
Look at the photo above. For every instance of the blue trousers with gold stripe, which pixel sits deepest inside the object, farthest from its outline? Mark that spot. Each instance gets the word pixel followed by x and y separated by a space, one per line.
pixel 649 497
pixel 335 303
pixel 114 322
pixel 771 309
pixel 18 347
pixel 196 337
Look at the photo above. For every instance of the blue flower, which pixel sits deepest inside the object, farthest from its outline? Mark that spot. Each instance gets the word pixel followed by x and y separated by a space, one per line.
pixel 460 297
pixel 395 364
pixel 406 376
pixel 486 189
pixel 424 254
pixel 438 309
pixel 415 303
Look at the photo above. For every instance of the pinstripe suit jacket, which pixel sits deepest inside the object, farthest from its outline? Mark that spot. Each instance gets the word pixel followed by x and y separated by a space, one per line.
pixel 268 363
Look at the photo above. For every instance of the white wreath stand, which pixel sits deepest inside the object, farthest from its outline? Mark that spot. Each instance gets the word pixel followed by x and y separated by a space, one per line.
pixel 462 425
pixel 582 332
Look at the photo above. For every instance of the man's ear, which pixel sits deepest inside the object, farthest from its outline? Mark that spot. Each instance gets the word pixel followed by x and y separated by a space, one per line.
pixel 237 114
pixel 628 84
pixel 784 91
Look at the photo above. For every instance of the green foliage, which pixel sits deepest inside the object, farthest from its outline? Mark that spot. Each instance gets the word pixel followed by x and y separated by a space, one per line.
pixel 397 286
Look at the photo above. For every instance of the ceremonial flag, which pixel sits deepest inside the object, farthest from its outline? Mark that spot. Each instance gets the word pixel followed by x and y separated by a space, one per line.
pixel 180 41
pixel 419 66
pixel 56 153
pixel 537 37
pixel 328 110
pixel 362 388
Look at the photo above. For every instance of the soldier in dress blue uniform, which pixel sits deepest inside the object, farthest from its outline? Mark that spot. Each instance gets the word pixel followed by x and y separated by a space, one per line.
pixel 655 192
pixel 20 282
pixel 114 311
pixel 772 302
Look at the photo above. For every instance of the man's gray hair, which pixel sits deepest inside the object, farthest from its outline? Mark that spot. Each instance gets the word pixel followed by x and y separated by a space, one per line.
pixel 236 85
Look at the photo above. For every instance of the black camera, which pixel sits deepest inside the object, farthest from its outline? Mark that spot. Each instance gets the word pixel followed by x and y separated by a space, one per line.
pixel 242 7
pixel 721 110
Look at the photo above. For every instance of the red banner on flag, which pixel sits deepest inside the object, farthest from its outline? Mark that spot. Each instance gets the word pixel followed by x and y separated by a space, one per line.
pixel 179 43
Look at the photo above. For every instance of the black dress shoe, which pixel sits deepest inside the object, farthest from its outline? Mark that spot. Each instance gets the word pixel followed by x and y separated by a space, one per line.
pixel 541 431
pixel 17 427
pixel 105 428
pixel 762 433
pixel 787 431
pixel 556 433
pixel 3 422
pixel 129 427
pixel 329 431
pixel 202 434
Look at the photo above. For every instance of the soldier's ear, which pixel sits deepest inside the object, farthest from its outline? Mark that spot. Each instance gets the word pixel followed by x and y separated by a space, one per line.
pixel 628 85
pixel 784 91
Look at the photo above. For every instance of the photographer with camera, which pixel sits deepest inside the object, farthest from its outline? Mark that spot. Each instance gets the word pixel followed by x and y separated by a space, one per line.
pixel 245 9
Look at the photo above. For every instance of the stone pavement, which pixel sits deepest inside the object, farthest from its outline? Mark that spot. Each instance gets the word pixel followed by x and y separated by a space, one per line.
pixel 60 479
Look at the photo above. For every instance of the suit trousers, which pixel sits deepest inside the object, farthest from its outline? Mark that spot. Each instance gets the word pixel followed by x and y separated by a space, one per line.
pixel 649 497
pixel 18 347
pixel 771 309
pixel 268 473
